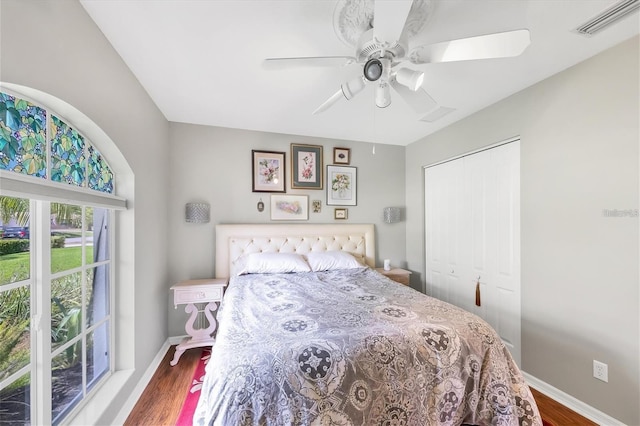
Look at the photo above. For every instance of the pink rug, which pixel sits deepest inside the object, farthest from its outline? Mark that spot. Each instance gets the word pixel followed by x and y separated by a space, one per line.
pixel 191 400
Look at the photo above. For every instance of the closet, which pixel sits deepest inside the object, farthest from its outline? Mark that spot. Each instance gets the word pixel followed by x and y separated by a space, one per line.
pixel 472 223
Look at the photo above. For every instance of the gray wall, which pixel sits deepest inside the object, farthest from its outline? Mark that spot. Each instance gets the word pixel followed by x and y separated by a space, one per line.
pixel 214 165
pixel 579 155
pixel 54 47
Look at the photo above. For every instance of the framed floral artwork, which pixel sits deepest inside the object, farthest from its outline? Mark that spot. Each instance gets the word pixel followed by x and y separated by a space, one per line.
pixel 341 156
pixel 306 166
pixel 268 171
pixel 342 186
pixel 289 207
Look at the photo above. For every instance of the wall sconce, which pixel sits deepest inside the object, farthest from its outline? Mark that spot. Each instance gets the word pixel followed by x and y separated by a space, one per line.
pixel 392 214
pixel 196 212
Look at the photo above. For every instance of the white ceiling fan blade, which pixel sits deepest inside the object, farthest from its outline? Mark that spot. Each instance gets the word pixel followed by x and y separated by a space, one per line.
pixel 389 17
pixel 309 61
pixel 329 102
pixel 420 101
pixel 498 45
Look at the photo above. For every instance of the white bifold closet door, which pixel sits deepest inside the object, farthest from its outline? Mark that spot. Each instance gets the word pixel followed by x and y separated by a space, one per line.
pixel 472 214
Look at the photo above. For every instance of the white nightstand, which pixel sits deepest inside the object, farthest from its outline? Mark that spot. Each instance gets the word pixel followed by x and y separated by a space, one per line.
pixel 190 292
pixel 398 275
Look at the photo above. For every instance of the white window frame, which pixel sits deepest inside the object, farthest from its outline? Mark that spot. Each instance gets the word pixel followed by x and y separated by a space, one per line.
pixel 41 192
pixel 39 283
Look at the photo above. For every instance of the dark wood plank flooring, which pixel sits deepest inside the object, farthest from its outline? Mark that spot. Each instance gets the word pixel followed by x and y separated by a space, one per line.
pixel 557 414
pixel 162 399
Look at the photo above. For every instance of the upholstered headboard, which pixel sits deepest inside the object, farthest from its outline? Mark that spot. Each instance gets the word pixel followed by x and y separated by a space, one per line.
pixel 234 240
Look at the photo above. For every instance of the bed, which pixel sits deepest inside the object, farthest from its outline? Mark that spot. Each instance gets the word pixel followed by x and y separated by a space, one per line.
pixel 343 344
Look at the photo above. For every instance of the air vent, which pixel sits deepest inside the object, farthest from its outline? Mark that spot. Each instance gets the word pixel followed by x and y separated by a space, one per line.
pixel 608 17
pixel 437 114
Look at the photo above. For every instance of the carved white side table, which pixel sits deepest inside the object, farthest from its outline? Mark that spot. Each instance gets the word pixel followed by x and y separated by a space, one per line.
pixel 190 292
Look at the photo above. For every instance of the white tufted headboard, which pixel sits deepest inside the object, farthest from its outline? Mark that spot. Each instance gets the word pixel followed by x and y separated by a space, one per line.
pixel 232 241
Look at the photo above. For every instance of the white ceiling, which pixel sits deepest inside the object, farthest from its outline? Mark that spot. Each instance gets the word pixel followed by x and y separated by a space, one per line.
pixel 201 61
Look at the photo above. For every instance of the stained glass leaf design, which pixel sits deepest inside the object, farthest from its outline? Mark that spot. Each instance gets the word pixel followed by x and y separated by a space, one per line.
pixel 68 161
pixel 13 119
pixel 100 174
pixel 22 136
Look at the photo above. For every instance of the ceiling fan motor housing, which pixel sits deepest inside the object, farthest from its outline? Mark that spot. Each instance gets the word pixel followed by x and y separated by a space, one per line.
pixel 369 47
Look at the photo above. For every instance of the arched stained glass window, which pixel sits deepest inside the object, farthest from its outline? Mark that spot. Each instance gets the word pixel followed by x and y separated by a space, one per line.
pixel 25 140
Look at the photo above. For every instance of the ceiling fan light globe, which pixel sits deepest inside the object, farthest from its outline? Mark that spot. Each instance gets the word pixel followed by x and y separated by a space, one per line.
pixel 383 95
pixel 352 87
pixel 373 69
pixel 410 78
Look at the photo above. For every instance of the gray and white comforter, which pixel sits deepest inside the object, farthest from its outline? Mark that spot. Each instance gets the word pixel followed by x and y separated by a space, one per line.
pixel 352 347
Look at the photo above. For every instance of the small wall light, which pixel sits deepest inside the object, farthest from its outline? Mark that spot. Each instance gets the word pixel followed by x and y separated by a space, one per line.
pixel 392 214
pixel 196 212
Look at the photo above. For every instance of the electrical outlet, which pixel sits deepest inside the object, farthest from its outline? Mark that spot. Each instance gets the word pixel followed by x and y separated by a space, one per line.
pixel 600 371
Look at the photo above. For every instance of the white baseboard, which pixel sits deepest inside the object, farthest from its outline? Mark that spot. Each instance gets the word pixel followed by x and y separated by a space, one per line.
pixel 142 384
pixel 176 339
pixel 568 401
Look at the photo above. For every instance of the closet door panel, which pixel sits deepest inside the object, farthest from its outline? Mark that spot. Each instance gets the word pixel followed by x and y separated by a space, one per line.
pixel 435 233
pixel 506 163
pixel 444 239
pixel 456 233
pixel 480 210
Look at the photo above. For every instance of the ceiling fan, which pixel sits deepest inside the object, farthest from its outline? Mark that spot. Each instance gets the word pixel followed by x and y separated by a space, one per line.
pixel 383 28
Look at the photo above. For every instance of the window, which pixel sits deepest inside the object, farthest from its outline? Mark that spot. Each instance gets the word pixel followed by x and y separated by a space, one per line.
pixel 56 265
pixel 26 141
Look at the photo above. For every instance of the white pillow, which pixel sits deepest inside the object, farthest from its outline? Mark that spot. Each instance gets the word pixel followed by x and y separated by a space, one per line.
pixel 330 260
pixel 272 263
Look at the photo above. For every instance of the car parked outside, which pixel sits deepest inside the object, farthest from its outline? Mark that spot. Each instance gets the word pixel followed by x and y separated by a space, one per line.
pixel 21 232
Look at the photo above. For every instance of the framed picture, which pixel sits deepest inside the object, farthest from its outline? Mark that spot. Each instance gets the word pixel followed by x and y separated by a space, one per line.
pixel 316 206
pixel 306 166
pixel 289 207
pixel 268 171
pixel 342 186
pixel 340 213
pixel 341 155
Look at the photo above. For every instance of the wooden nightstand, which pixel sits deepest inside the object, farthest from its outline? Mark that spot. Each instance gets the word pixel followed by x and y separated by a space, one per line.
pixel 190 292
pixel 398 275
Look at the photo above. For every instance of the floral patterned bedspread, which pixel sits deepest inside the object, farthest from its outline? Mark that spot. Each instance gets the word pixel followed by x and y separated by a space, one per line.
pixel 352 347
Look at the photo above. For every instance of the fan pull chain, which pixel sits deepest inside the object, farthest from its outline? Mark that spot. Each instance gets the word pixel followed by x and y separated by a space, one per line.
pixel 478 303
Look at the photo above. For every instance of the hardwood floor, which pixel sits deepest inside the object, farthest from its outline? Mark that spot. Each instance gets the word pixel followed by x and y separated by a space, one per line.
pixel 557 414
pixel 161 401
